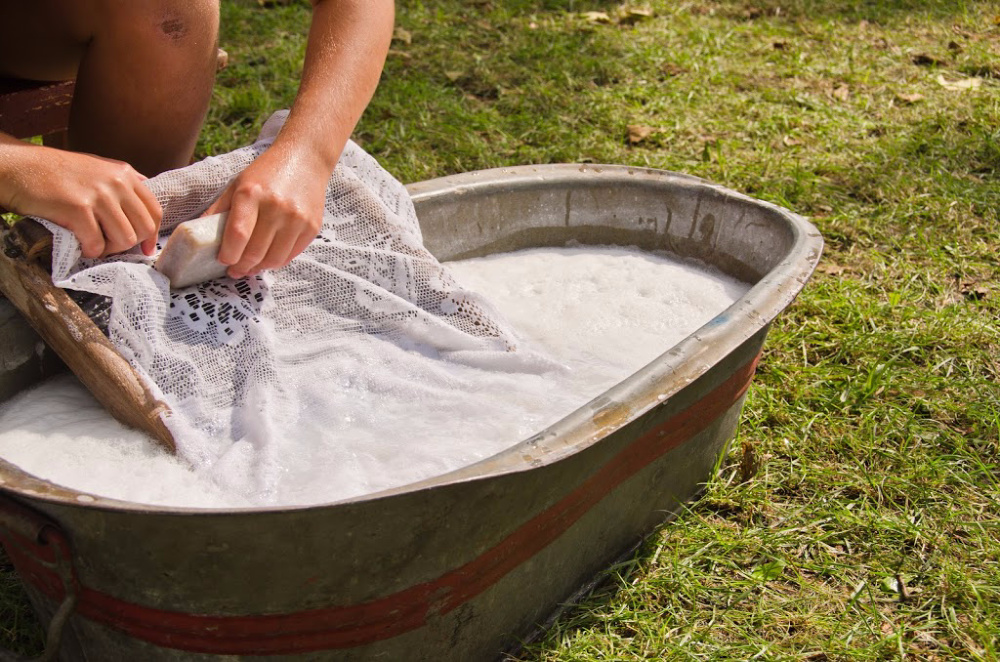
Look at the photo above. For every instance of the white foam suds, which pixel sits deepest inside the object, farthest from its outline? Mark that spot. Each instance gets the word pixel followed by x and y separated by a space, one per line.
pixel 602 313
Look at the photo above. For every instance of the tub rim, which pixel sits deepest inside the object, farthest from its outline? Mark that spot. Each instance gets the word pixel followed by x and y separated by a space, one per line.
pixel 681 364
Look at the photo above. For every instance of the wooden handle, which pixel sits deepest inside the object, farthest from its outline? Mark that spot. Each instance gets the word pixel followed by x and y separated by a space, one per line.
pixel 80 344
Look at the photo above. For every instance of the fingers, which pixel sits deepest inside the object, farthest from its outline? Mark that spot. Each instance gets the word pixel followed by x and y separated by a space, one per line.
pixel 301 243
pixel 152 207
pixel 275 210
pixel 140 226
pixel 256 251
pixel 264 230
pixel 279 253
pixel 222 204
pixel 270 245
pixel 240 228
pixel 126 213
pixel 118 232
pixel 88 232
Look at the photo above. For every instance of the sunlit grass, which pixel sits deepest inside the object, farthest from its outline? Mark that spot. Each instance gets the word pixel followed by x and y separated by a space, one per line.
pixel 872 529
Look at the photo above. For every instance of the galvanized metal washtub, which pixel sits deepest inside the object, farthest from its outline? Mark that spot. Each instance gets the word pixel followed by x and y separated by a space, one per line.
pixel 464 565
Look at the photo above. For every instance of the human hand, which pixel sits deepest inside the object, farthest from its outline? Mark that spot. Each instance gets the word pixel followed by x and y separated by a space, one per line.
pixel 275 210
pixel 101 201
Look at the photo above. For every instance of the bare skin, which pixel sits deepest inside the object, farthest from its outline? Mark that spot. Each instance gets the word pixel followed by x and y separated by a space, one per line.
pixel 144 72
pixel 276 204
pixel 125 122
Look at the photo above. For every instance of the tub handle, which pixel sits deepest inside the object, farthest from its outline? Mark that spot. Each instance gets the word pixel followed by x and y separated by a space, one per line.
pixel 29 534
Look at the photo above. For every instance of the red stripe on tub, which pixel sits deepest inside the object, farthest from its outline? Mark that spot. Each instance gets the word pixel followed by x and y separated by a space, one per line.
pixel 393 615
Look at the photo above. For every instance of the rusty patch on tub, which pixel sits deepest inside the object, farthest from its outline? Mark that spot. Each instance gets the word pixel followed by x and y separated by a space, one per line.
pixel 614 416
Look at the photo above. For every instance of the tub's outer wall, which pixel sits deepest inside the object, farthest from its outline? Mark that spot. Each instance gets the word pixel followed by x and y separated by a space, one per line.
pixel 545 515
pixel 289 562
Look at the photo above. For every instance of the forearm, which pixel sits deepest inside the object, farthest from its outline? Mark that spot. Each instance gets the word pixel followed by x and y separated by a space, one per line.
pixel 13 163
pixel 348 42
pixel 276 204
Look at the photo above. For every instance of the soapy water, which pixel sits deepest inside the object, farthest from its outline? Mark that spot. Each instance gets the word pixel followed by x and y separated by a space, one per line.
pixel 600 313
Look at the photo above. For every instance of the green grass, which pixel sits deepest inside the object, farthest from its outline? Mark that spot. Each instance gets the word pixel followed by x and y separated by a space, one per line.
pixel 872 529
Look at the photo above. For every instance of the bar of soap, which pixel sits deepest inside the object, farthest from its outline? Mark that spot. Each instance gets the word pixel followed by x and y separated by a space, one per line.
pixel 190 255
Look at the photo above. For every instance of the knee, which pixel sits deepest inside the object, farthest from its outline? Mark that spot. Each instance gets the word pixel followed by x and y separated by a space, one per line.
pixel 183 25
pixel 193 21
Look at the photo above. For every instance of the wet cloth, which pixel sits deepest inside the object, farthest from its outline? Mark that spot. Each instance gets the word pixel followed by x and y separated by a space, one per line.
pixel 249 366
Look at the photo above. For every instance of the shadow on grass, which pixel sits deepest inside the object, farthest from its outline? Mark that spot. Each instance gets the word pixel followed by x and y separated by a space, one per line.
pixel 20 631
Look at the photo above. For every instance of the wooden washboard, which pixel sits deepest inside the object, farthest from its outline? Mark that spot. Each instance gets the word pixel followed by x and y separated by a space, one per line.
pixel 42 109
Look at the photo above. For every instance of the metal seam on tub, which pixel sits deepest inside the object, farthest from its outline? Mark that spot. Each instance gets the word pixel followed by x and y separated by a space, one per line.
pixel 407 610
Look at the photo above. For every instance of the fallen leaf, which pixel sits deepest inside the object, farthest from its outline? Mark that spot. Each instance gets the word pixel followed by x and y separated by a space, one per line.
pixel 672 69
pixel 925 60
pixel 596 16
pixel 842 92
pixel 633 16
pixel 453 75
pixel 973 291
pixel 791 142
pixel 910 98
pixel 961 84
pixel 831 268
pixel 954 47
pixel 926 637
pixel 403 35
pixel 638 132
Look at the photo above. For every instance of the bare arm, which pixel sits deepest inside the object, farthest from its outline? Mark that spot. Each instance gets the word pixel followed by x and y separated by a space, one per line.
pixel 276 204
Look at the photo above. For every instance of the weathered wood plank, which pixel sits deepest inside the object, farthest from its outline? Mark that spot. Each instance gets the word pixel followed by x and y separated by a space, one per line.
pixel 31 108
pixel 80 344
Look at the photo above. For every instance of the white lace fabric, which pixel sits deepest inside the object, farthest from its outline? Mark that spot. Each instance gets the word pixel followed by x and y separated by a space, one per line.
pixel 246 365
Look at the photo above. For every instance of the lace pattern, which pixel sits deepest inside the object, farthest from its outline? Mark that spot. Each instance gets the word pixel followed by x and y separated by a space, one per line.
pixel 238 361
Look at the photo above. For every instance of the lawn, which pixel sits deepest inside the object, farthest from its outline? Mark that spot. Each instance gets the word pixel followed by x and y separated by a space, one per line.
pixel 870 528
